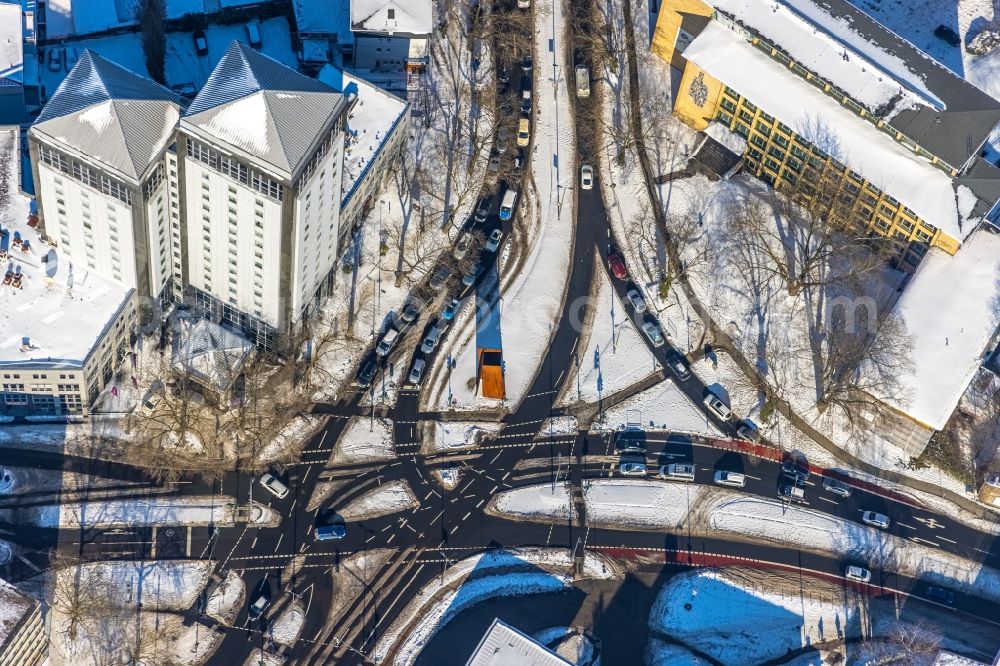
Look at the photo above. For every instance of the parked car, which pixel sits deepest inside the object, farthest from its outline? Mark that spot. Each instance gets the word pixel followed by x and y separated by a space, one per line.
pixel 630 440
pixel 366 373
pixel 200 42
pixel 483 208
pixel 523 132
pixel 677 471
pixel 507 204
pixel 837 487
pixel 503 136
pixel 417 371
pixel 526 101
pixel 717 407
pixel 503 74
pixel 387 342
pixel 652 332
pixel 733 479
pixel 582 81
pixel 636 299
pixel 411 310
pixel 859 574
pixel 493 242
pixel 875 519
pixel 794 463
pixel 523 4
pixel 792 493
pixel 462 246
pixel 273 485
pixel 586 177
pixel 526 62
pixel 948 35
pixel 518 163
pixel 431 340
pixel 678 365
pixel 258 605
pixel 440 277
pixel 253 34
pixel 331 532
pixel 941 595
pixel 450 309
pixel 632 468
pixel 748 431
pixel 617 266
pixel 494 164
pixel 474 272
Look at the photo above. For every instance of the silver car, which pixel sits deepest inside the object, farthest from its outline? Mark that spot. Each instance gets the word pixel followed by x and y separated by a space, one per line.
pixel 494 240
pixel 586 177
pixel 653 333
pixel 417 371
pixel 636 299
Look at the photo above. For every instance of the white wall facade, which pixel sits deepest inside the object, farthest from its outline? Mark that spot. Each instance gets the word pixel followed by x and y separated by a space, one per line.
pixel 380 51
pixel 317 225
pixel 95 228
pixel 233 242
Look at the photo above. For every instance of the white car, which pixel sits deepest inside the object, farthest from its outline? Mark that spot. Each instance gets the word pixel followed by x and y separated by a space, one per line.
pixel 677 472
pixel 386 343
pixel 733 479
pixel 875 520
pixel 653 333
pixel 493 242
pixel 586 177
pixel 859 574
pixel 636 299
pixel 273 485
pixel 717 407
pixel 417 372
pixel 632 469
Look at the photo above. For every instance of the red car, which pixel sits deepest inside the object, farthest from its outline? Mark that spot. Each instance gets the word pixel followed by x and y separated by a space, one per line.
pixel 617 266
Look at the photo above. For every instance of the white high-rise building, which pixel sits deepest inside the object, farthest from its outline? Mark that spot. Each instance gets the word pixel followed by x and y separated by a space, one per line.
pixel 261 154
pixel 106 175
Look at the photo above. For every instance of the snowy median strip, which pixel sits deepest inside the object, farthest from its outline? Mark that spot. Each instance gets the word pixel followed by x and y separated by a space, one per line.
pixel 388 498
pixel 364 440
pixel 140 511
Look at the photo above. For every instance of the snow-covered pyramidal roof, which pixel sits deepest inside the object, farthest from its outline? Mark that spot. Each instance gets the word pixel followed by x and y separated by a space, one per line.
pixel 263 108
pixel 111 115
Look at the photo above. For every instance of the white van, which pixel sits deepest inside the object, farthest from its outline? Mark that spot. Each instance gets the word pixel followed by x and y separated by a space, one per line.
pixel 582 81
pixel 507 204
pixel 717 407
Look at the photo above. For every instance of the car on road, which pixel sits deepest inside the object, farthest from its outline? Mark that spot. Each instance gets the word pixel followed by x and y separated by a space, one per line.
pixel 875 519
pixel 417 371
pixel 526 101
pixel 748 431
pixel 507 204
pixel 259 604
pixel 440 277
pixel 493 242
pixel 732 479
pixel 630 440
pixel 795 464
pixel 678 365
pixel 431 340
pixel 366 373
pixel 503 136
pixel 941 595
pixel 792 493
pixel 450 309
pixel 387 342
pixel 636 299
pixel 617 266
pixel 331 532
pixel 474 272
pixel 837 487
pixel 716 406
pixel 483 208
pixel 859 574
pixel 652 332
pixel 200 42
pixel 462 246
pixel 273 485
pixel 632 468
pixel 523 132
pixel 586 177
pixel 677 471
pixel 411 310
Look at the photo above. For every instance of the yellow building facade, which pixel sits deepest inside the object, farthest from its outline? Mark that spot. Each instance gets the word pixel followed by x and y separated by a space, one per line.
pixel 780 157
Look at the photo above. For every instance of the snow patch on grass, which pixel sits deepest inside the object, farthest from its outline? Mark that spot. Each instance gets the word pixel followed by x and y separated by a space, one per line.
pixel 391 497
pixel 364 440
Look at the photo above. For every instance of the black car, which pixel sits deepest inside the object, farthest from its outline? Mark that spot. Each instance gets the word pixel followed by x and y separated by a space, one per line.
pixel 200 42
pixel 794 464
pixel 366 373
pixel 503 74
pixel 948 35
pixel 941 595
pixel 526 63
pixel 259 604
pixel 678 365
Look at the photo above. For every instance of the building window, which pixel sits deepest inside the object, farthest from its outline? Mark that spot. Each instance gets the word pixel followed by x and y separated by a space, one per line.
pixel 728 105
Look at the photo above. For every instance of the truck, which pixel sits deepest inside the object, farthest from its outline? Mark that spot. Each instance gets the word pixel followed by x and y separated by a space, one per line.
pixel 507 204
pixel 491 374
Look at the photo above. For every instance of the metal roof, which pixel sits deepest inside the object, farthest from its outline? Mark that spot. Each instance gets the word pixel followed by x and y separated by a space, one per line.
pixel 263 107
pixel 111 114
pixel 503 645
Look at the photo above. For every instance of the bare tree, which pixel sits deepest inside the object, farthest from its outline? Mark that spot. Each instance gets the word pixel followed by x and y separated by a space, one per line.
pixel 904 643
pixel 152 16
pixel 79 592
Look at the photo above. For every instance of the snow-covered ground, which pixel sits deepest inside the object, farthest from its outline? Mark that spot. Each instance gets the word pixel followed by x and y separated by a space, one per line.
pixel 153 511
pixel 662 406
pixel 291 439
pixel 558 425
pixel 537 503
pixel 225 601
pixel 454 435
pixel 616 355
pixel 288 626
pixel 653 505
pixel 531 305
pixel 364 440
pixel 471 581
pixel 391 497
